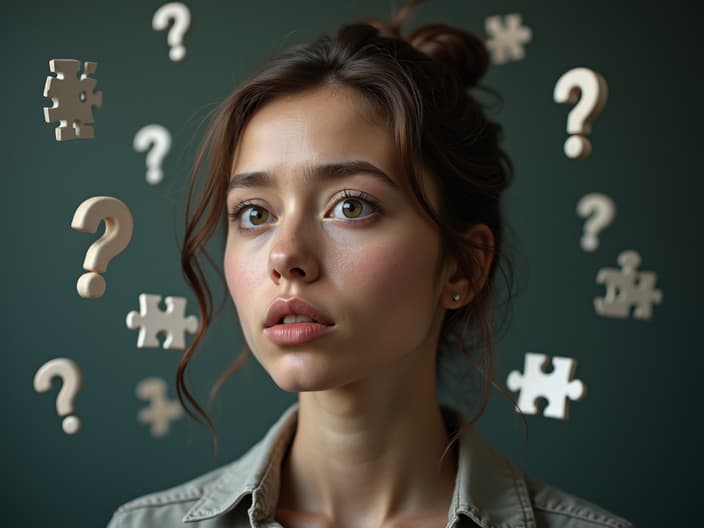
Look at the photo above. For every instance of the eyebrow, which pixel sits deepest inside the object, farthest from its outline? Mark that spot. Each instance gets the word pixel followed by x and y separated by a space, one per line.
pixel 315 174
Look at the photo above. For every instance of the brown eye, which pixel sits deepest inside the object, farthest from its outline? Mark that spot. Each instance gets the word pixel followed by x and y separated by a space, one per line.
pixel 352 208
pixel 255 215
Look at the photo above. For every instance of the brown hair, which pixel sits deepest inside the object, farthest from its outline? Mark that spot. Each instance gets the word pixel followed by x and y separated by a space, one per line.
pixel 419 84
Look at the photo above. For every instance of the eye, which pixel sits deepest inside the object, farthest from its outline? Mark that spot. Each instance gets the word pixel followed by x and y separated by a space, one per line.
pixel 256 215
pixel 354 205
pixel 250 216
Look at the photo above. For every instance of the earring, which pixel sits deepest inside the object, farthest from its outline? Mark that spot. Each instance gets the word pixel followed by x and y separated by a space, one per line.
pixel 456 297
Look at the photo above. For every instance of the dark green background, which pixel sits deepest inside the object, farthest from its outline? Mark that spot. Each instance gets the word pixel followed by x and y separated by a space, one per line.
pixel 632 445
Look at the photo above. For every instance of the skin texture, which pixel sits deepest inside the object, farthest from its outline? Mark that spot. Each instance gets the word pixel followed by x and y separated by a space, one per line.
pixel 367 450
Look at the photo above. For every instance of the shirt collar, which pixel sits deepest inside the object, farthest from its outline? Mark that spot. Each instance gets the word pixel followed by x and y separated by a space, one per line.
pixel 488 488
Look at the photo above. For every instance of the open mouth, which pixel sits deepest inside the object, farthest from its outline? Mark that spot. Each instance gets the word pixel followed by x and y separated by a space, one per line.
pixel 292 322
pixel 294 311
pixel 293 319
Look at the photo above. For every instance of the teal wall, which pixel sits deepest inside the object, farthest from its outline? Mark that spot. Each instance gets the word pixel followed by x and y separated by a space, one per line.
pixel 631 445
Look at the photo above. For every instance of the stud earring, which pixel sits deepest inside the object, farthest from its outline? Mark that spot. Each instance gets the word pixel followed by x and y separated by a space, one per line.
pixel 456 297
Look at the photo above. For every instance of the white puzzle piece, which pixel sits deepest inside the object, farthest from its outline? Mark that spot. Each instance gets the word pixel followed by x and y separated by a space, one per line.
pixel 555 386
pixel 73 97
pixel 161 411
pixel 626 288
pixel 151 320
pixel 507 36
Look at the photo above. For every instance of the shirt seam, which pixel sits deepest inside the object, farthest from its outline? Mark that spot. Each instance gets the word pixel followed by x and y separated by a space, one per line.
pixel 250 488
pixel 160 500
pixel 604 521
pixel 469 510
pixel 523 497
pixel 280 446
pixel 219 485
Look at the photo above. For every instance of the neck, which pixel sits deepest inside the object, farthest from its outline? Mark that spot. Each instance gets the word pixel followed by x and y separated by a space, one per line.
pixel 370 453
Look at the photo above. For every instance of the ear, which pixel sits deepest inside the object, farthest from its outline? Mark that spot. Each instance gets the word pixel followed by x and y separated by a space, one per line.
pixel 462 285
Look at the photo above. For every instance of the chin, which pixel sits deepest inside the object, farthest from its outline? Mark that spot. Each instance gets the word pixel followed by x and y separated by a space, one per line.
pixel 290 383
pixel 293 373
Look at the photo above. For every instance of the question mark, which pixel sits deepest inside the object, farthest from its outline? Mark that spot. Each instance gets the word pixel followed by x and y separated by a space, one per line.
pixel 594 92
pixel 70 372
pixel 158 137
pixel 181 16
pixel 602 210
pixel 118 232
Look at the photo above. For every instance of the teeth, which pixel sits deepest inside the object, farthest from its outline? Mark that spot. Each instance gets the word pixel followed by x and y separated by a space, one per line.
pixel 297 319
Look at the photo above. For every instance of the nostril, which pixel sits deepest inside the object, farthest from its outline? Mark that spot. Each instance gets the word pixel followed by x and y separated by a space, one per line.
pixel 283 267
pixel 298 271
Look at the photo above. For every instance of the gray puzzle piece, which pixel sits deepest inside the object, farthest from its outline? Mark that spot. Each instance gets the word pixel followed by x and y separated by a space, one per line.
pixel 626 289
pixel 161 411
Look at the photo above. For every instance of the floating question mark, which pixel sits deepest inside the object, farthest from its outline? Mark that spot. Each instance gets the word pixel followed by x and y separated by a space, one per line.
pixel 181 16
pixel 594 92
pixel 118 232
pixel 159 138
pixel 70 372
pixel 600 209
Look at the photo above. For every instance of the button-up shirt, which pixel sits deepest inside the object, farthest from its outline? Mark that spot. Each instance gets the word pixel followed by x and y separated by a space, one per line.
pixel 489 492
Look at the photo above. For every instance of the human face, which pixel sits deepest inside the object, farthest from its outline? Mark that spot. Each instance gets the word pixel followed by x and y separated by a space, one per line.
pixel 352 244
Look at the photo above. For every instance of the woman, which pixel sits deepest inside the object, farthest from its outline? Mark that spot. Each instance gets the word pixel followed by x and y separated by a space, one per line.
pixel 362 189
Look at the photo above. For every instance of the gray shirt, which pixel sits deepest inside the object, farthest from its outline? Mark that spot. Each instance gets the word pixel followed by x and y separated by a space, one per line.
pixel 489 491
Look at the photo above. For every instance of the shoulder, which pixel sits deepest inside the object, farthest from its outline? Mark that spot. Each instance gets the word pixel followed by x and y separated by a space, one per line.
pixel 555 508
pixel 166 507
pixel 241 491
pixel 493 491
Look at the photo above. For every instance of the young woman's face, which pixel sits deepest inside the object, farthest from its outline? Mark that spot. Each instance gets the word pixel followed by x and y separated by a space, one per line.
pixel 320 213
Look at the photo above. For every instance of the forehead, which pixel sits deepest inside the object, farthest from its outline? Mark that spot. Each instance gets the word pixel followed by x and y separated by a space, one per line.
pixel 317 126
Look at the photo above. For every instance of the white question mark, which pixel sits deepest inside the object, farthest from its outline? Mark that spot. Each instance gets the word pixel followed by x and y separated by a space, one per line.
pixel 181 16
pixel 600 209
pixel 70 372
pixel 159 138
pixel 118 232
pixel 594 92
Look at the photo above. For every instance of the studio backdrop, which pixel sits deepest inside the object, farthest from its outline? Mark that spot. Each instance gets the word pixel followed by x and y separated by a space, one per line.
pixel 601 114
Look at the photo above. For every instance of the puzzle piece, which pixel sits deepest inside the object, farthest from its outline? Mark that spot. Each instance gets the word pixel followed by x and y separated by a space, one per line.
pixel 555 387
pixel 507 37
pixel 161 411
pixel 73 98
pixel 626 288
pixel 151 320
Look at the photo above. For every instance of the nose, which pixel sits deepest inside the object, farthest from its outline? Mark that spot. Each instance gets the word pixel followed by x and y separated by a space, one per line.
pixel 292 257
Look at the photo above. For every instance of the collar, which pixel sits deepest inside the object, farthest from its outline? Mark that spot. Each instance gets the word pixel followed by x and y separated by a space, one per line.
pixel 488 488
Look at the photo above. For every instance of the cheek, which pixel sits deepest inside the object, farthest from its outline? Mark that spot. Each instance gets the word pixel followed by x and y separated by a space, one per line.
pixel 242 274
pixel 388 272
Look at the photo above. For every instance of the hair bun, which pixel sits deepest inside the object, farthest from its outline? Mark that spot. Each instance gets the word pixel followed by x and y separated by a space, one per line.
pixel 461 51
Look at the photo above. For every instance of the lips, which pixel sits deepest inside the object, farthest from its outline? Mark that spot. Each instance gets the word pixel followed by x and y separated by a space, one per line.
pixel 293 306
